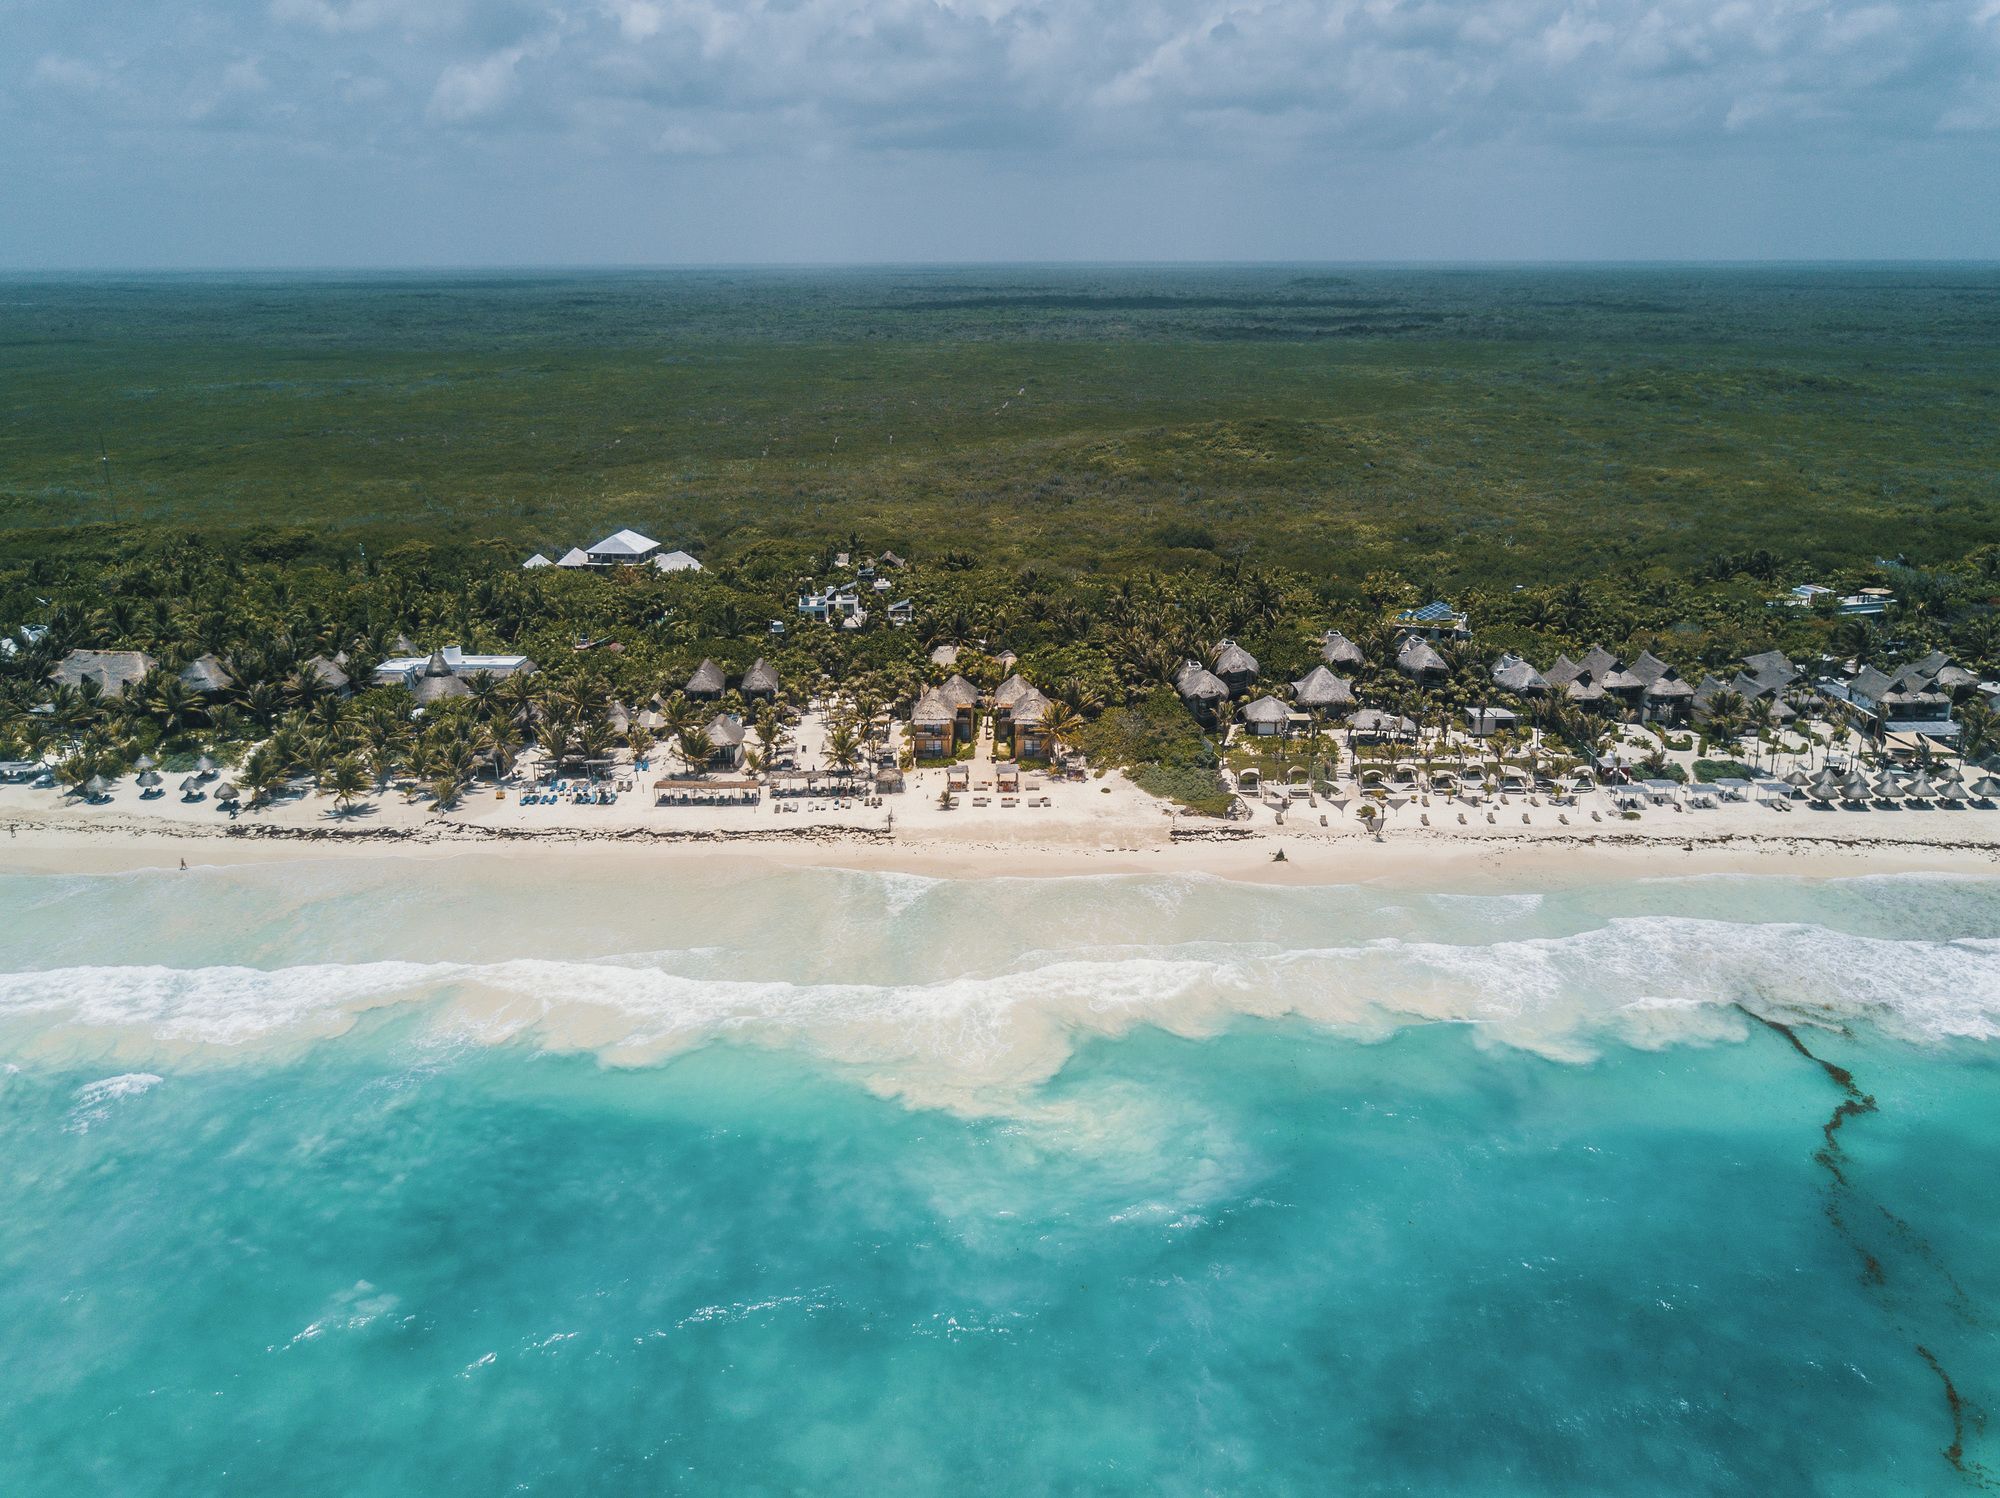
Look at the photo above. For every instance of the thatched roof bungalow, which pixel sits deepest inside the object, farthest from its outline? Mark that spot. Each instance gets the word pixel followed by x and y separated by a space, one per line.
pixel 707 681
pixel 1319 690
pixel 760 681
pixel 114 671
pixel 1266 716
pixel 1236 666
pixel 1514 674
pixel 1416 658
pixel 1337 650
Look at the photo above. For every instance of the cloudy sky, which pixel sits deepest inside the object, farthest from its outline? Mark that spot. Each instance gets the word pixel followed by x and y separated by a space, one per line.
pixel 490 132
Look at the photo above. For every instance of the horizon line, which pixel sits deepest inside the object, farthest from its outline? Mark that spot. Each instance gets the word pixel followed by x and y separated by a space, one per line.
pixel 455 268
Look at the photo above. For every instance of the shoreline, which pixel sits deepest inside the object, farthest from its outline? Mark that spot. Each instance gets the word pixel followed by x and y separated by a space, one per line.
pixel 72 843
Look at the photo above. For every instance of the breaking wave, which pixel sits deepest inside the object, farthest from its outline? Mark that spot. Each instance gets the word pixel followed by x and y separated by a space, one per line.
pixel 967 1041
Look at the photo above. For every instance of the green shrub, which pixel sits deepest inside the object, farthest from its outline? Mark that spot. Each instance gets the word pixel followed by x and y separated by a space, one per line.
pixel 1708 770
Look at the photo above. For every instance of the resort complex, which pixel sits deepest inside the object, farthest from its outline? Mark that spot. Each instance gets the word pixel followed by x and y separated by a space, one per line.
pixel 910 686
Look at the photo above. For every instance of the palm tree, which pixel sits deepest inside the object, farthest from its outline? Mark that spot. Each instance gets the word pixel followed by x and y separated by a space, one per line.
pixel 695 748
pixel 264 773
pixel 843 748
pixel 1061 724
pixel 345 779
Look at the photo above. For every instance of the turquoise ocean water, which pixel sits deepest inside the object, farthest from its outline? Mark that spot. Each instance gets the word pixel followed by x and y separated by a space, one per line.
pixel 551 1177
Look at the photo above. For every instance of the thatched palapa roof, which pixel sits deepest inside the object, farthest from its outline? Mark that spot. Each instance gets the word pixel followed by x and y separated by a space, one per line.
pixel 1197 684
pixel 760 678
pixel 1265 710
pixel 706 680
pixel 1320 688
pixel 1337 650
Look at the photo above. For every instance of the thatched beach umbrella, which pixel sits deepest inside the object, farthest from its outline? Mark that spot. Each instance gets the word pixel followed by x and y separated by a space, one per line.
pixel 1886 788
pixel 1920 788
pixel 227 792
pixel 1798 780
pixel 149 778
pixel 144 762
pixel 189 786
pixel 95 787
pixel 1986 788
pixel 205 767
pixel 1856 787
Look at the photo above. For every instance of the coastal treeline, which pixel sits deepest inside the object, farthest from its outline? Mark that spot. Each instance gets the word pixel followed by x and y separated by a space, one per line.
pixel 615 648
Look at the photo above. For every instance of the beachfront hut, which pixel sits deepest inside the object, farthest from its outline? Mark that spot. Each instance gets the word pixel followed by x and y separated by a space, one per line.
pixel 326 674
pixel 1016 702
pixel 438 682
pixel 1319 690
pixel 1266 717
pixel 114 671
pixel 1513 674
pixel 1337 650
pixel 707 682
pixel 1663 693
pixel 760 682
pixel 1416 659
pixel 1236 666
pixel 1030 717
pixel 933 725
pixel 725 737
pixel 1201 689
pixel 207 675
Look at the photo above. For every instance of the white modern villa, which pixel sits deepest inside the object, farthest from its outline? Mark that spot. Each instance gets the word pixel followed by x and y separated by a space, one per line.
pixel 625 548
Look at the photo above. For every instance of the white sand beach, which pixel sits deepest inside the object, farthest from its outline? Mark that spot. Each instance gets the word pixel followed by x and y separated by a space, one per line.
pixel 1095 826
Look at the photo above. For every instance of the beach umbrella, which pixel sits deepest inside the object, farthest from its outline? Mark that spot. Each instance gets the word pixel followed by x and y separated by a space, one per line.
pixel 204 766
pixel 144 762
pixel 1856 788
pixel 1886 788
pixel 95 786
pixel 1986 787
pixel 1951 788
pixel 1921 789
pixel 190 786
pixel 149 778
pixel 227 792
pixel 1798 780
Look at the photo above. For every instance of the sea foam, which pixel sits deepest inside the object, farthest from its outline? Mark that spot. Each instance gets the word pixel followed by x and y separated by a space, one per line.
pixel 1642 980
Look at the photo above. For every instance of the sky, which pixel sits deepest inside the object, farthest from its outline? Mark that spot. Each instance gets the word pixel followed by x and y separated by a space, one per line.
pixel 389 133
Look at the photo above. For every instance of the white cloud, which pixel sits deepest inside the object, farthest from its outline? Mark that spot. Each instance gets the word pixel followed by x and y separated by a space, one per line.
pixel 470 90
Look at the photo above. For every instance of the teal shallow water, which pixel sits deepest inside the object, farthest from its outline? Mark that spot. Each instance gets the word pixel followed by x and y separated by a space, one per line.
pixel 381 1180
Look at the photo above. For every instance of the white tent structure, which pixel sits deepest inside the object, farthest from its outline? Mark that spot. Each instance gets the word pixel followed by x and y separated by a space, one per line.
pixel 623 546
